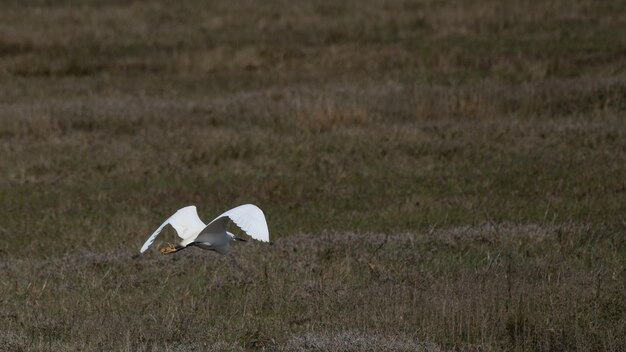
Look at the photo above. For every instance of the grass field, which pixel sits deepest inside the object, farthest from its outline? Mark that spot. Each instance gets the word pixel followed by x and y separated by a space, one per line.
pixel 436 175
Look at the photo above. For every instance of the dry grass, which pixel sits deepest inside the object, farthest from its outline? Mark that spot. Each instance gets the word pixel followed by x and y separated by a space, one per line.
pixel 436 175
pixel 475 287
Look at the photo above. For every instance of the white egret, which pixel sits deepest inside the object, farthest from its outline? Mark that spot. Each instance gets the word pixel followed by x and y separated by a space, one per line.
pixel 214 235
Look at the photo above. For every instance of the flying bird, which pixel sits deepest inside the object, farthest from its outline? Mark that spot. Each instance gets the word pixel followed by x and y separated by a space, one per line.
pixel 213 236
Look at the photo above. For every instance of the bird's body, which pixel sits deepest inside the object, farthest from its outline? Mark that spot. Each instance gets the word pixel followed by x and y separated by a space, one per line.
pixel 213 236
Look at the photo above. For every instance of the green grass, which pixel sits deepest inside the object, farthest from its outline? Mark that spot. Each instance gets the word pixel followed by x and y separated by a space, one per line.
pixel 435 175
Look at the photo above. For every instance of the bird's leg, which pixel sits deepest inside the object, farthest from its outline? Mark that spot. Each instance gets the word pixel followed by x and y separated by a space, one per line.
pixel 170 248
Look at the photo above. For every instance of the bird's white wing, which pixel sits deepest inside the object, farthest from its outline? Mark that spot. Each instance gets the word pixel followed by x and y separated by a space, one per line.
pixel 182 221
pixel 248 217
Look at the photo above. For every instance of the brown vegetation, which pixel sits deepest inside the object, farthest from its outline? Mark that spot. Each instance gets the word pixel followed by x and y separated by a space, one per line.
pixel 437 175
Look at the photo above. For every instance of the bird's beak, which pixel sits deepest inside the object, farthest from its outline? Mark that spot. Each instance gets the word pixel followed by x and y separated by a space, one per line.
pixel 240 239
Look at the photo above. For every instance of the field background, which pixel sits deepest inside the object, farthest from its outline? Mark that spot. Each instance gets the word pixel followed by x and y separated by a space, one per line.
pixel 436 175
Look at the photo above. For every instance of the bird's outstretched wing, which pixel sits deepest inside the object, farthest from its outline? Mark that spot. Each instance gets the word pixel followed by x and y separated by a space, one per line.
pixel 248 217
pixel 182 221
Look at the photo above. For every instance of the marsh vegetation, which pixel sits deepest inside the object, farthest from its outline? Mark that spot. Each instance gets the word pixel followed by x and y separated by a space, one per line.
pixel 436 175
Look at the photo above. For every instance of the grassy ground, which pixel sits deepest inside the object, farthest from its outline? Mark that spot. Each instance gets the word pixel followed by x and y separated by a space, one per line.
pixel 436 175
